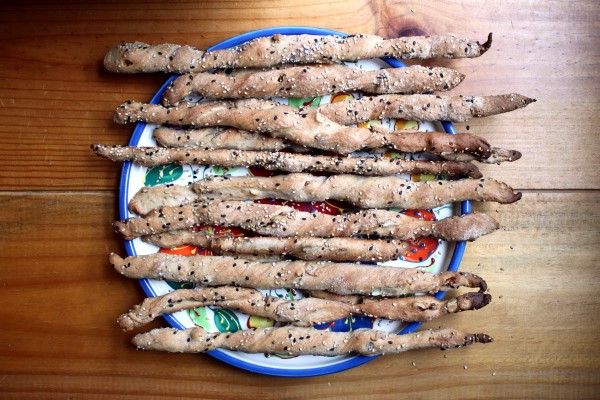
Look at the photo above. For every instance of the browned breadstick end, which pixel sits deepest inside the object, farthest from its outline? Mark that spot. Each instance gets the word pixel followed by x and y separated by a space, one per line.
pixel 362 192
pixel 303 247
pixel 312 80
pixel 296 341
pixel 305 127
pixel 420 308
pixel 281 161
pixel 286 49
pixel 341 278
pixel 283 221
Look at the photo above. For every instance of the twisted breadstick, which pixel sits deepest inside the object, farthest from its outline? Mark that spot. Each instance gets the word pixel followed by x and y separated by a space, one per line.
pixel 422 107
pixel 232 138
pixel 306 127
pixel 362 192
pixel 300 312
pixel 295 341
pixel 310 81
pixel 282 221
pixel 282 49
pixel 341 278
pixel 303 247
pixel 310 128
pixel 280 161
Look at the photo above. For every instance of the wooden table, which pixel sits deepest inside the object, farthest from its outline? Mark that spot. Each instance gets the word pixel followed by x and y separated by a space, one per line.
pixel 60 297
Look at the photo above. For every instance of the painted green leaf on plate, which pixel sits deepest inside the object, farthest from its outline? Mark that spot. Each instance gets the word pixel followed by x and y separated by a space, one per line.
pixel 199 317
pixel 226 320
pixel 163 174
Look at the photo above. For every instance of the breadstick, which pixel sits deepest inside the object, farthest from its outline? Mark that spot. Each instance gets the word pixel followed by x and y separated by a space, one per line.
pixel 422 107
pixel 283 49
pixel 183 299
pixel 303 247
pixel 341 278
pixel 413 308
pixel 295 341
pixel 362 192
pixel 300 312
pixel 305 127
pixel 281 161
pixel 282 221
pixel 231 138
pixel 310 81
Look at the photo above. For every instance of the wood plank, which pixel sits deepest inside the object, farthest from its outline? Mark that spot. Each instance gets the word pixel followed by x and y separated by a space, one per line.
pixel 60 299
pixel 56 100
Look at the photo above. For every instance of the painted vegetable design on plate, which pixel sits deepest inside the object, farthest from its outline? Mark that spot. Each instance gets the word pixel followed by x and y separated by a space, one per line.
pixel 420 249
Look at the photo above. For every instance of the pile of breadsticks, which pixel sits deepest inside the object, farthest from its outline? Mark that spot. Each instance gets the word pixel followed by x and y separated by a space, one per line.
pixel 316 253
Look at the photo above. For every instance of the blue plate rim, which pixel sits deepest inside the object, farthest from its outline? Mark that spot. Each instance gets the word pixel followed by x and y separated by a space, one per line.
pixel 222 355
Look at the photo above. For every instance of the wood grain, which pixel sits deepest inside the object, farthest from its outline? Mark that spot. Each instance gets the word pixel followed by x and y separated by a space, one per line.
pixel 60 298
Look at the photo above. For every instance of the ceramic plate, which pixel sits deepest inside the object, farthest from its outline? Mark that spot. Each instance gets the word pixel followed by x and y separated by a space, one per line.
pixel 428 254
